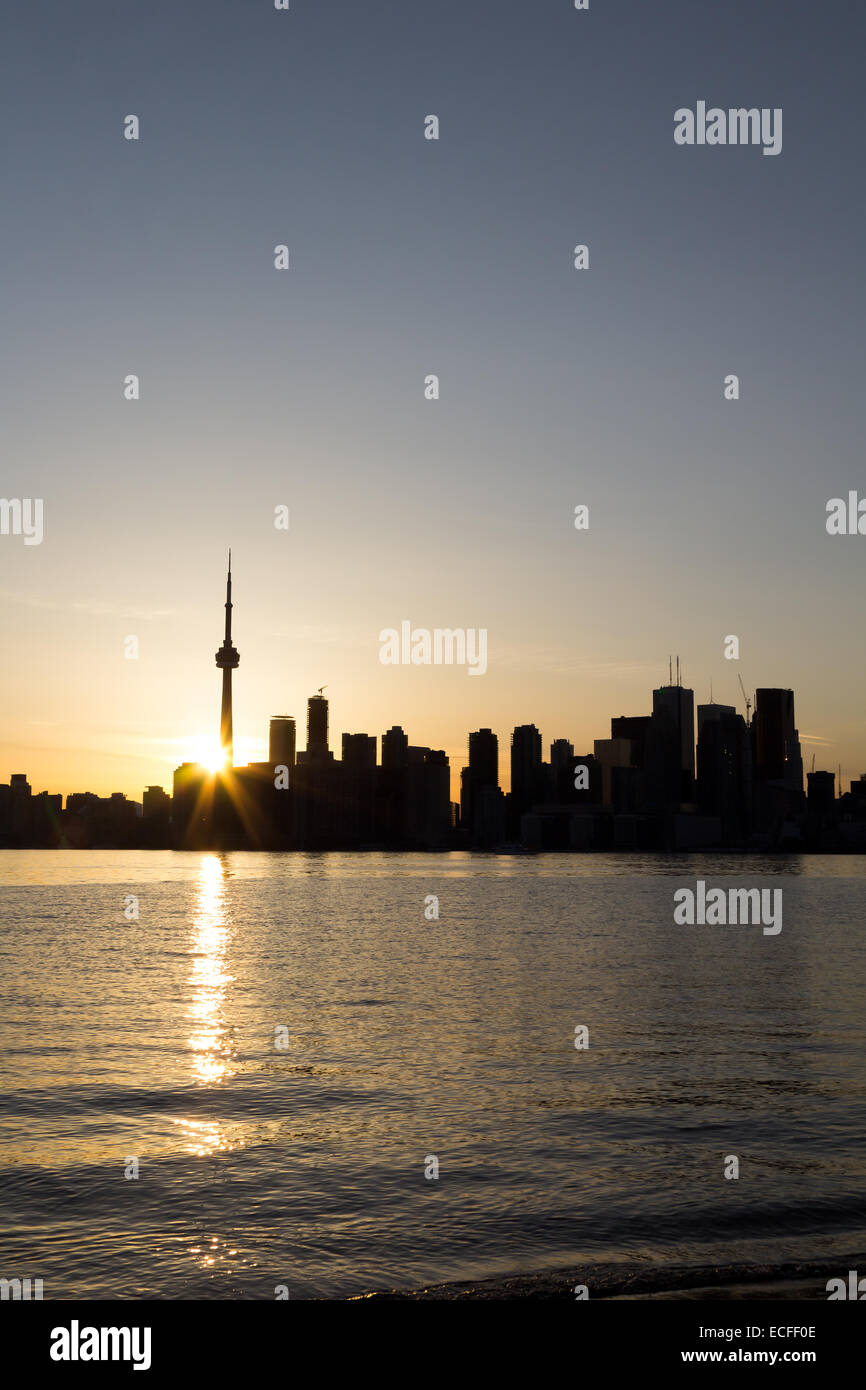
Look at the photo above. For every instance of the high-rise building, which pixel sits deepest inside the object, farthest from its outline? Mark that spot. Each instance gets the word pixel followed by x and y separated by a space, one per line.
pixel 712 711
pixel 821 788
pixel 484 758
pixel 678 703
pixel 774 732
pixel 562 769
pixel 281 741
pixel 155 802
pixel 483 771
pixel 19 803
pixel 317 729
pixel 561 755
pixel 428 793
pixel 227 660
pixel 526 764
pixel 611 753
pixel 724 780
pixel 634 727
pixel 359 750
pixel 395 748
pixel 192 805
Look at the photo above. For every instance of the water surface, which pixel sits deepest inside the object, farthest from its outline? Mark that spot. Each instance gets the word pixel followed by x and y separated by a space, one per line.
pixel 408 1039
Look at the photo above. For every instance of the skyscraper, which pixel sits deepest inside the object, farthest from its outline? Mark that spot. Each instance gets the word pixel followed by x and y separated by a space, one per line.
pixel 227 659
pixel 775 734
pixel 395 748
pixel 317 730
pixel 670 747
pixel 527 772
pixel 724 780
pixel 483 771
pixel 281 741
pixel 359 751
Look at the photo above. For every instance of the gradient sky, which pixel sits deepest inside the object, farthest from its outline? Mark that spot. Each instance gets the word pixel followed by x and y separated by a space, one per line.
pixel 409 257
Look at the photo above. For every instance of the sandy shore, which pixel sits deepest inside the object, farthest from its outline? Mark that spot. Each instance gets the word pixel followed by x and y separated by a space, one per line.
pixel 797 1281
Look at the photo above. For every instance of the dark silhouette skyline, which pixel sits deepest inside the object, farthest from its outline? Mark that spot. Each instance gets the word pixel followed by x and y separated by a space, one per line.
pixel 649 786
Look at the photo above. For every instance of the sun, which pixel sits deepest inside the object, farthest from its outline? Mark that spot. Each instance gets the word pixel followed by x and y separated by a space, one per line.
pixel 207 750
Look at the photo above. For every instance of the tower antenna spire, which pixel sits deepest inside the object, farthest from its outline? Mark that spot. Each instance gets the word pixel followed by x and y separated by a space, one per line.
pixel 227 660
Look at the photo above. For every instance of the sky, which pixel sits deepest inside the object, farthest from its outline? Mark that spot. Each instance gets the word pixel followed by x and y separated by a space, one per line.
pixel 305 388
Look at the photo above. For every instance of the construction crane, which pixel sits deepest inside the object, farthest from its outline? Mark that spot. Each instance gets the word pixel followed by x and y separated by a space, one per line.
pixel 321 688
pixel 747 700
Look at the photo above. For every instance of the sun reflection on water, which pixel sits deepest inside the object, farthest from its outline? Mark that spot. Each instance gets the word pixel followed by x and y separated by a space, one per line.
pixel 210 1040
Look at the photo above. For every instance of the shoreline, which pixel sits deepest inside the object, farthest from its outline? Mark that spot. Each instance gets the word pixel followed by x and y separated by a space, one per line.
pixel 795 1281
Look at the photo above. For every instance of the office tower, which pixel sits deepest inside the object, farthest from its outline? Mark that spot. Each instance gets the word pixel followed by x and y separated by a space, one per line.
pixel 427 805
pixel 724 780
pixel 713 711
pixel 677 705
pixel 561 755
pixel 192 805
pixel 317 726
pixel 526 765
pixel 484 757
pixel 611 753
pixel 635 728
pixel 19 803
pixel 794 765
pixel 155 802
pixel 395 748
pixel 281 741
pixel 562 770
pixel 483 771
pixel 155 818
pixel 822 789
pixel 359 751
pixel 227 660
pixel 775 734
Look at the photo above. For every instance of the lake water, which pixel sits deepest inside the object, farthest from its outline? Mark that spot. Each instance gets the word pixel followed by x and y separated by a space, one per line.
pixel 407 1039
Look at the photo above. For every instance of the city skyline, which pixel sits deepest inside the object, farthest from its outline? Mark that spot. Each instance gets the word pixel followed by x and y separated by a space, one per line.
pixel 304 388
pixel 214 750
pixel 680 776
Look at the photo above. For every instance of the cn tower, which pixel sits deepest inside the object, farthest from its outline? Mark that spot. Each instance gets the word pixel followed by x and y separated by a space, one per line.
pixel 227 659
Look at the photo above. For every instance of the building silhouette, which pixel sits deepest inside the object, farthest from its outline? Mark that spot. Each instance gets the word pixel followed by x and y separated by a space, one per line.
pixel 646 787
pixel 227 660
pixel 281 742
pixel 395 748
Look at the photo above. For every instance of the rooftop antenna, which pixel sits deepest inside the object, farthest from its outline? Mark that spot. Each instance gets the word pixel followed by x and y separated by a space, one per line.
pixel 678 671
pixel 747 700
pixel 670 672
pixel 711 690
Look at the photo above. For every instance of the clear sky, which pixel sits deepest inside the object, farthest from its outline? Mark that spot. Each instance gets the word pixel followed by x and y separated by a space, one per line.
pixel 410 257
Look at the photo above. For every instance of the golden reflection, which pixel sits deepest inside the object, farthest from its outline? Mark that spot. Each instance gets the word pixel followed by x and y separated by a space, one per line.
pixel 210 1041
